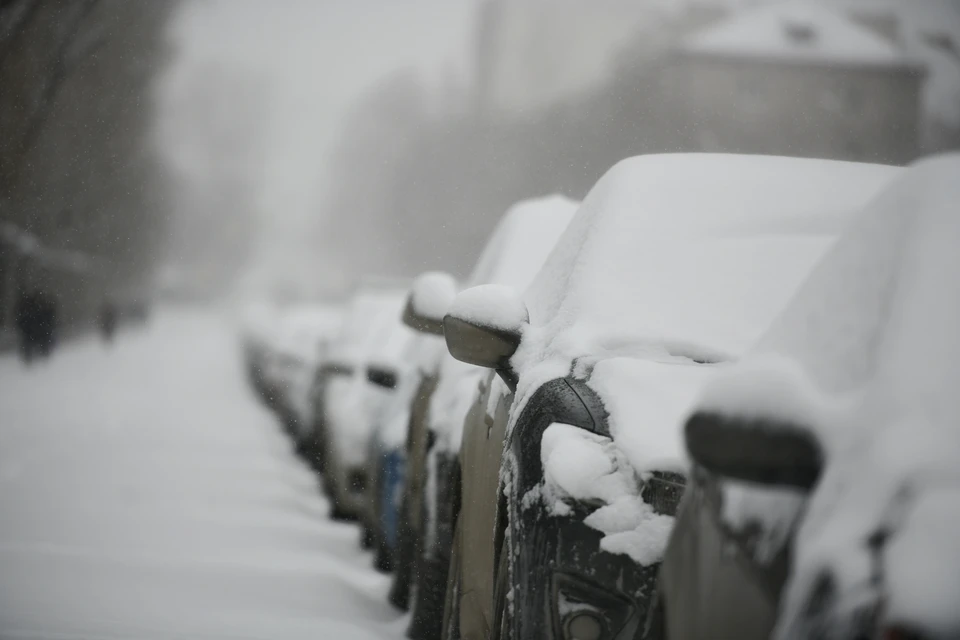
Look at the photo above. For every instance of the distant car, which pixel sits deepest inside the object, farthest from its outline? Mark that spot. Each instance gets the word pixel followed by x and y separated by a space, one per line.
pixel 346 402
pixel 826 461
pixel 302 340
pixel 258 329
pixel 571 456
pixel 429 298
pixel 517 248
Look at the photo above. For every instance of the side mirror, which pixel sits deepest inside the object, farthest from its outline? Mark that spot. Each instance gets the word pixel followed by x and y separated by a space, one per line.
pixel 760 451
pixel 483 327
pixel 382 376
pixel 429 299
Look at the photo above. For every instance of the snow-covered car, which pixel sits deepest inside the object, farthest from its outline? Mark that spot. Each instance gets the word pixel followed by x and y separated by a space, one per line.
pixel 258 323
pixel 429 298
pixel 515 252
pixel 572 455
pixel 371 333
pixel 302 340
pixel 826 460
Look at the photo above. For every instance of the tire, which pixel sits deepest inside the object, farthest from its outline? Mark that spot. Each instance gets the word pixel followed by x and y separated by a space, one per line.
pixel 403 562
pixel 427 620
pixel 451 605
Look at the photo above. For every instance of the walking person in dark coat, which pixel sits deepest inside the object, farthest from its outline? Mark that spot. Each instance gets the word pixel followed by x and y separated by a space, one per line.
pixel 47 330
pixel 108 320
pixel 36 319
pixel 27 315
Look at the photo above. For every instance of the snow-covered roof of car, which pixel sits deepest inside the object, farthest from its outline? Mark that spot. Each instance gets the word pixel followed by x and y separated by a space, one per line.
pixel 369 312
pixel 676 258
pixel 796 32
pixel 301 326
pixel 681 247
pixel 522 240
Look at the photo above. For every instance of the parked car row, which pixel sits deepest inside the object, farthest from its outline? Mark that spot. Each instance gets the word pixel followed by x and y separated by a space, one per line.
pixel 713 400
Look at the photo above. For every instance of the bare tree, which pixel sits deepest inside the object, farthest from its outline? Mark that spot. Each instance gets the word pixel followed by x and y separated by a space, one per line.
pixel 77 170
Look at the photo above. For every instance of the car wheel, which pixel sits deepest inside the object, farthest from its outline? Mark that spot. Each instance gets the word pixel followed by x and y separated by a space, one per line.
pixel 427 620
pixel 404 558
pixel 451 605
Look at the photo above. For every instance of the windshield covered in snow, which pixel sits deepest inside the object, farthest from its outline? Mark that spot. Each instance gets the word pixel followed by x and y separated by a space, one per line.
pixel 700 249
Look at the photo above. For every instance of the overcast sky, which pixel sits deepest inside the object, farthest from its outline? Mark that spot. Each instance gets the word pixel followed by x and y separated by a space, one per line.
pixel 314 58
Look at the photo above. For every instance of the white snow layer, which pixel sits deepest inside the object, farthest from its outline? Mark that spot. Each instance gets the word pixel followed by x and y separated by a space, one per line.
pixel 591 469
pixel 432 293
pixel 675 258
pixel 146 494
pixel 493 305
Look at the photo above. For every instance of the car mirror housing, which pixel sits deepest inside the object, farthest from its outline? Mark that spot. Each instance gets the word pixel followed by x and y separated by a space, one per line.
pixel 484 327
pixel 756 450
pixel 382 376
pixel 430 297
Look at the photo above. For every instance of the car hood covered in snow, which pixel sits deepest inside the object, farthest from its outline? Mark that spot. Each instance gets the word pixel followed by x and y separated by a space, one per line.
pixel 686 256
pixel 867 355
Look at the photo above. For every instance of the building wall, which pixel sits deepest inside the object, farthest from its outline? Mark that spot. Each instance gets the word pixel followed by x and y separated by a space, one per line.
pixel 798 109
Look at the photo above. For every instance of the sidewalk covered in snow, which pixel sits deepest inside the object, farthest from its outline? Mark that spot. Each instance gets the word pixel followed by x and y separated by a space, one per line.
pixel 145 494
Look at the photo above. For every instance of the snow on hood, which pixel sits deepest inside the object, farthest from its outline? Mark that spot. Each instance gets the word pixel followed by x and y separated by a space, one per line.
pixel 369 313
pixel 673 261
pixel 796 32
pixel 301 329
pixel 517 249
pixel 871 340
pixel 693 254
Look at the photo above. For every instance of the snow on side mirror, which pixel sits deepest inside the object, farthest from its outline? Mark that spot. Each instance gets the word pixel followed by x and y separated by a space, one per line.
pixel 430 297
pixel 483 327
pixel 757 450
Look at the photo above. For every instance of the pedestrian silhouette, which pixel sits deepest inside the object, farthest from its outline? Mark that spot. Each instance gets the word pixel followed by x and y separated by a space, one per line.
pixel 36 320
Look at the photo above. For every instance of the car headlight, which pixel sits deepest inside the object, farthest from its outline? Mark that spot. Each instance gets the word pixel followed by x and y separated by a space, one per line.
pixel 584 611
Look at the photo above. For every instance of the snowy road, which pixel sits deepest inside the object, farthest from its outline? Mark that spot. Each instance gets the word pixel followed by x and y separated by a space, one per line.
pixel 145 494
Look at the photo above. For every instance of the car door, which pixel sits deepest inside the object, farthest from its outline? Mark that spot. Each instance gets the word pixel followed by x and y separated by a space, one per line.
pixel 481 449
pixel 710 586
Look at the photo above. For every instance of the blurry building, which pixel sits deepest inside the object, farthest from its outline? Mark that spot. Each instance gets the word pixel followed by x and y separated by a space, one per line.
pixel 800 80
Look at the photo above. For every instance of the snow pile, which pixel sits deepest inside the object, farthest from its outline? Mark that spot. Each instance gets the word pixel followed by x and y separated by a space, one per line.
pixel 790 31
pixel 591 469
pixel 584 466
pixel 633 529
pixel 493 305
